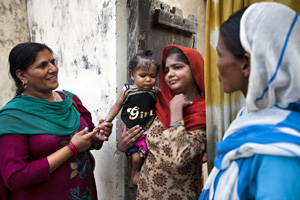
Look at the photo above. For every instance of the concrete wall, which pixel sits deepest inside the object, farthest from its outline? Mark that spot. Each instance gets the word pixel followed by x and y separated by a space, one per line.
pixel 13 30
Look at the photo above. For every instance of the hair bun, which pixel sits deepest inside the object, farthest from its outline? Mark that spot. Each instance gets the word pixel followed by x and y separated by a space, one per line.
pixel 148 53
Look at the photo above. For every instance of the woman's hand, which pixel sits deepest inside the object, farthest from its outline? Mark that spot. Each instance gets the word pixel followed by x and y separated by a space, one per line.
pixel 103 131
pixel 177 104
pixel 179 101
pixel 83 139
pixel 129 138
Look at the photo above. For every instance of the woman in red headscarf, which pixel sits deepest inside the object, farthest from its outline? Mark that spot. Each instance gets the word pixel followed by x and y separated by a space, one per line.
pixel 177 138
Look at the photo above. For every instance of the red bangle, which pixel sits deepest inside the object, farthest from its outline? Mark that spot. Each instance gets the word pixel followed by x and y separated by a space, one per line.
pixel 70 147
pixel 73 148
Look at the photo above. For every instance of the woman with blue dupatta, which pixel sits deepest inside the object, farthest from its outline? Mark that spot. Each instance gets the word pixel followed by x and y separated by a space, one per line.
pixel 259 157
pixel 45 135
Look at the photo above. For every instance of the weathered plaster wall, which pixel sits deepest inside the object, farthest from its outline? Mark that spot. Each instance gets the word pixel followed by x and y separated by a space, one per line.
pixel 197 8
pixel 83 35
pixel 13 30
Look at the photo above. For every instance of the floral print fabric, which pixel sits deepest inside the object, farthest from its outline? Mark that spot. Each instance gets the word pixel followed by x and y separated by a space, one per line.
pixel 173 168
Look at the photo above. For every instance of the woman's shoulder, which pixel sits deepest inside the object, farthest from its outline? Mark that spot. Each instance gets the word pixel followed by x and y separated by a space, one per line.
pixel 65 93
pixel 276 162
pixel 266 167
pixel 271 173
pixel 16 102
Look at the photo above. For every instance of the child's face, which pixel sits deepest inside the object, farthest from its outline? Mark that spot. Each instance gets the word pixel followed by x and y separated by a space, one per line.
pixel 145 78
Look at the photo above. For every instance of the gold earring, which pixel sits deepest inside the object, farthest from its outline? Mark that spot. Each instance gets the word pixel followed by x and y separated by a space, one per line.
pixel 24 85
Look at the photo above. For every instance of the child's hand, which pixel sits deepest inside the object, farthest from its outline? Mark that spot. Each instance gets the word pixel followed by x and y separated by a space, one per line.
pixel 103 130
pixel 98 137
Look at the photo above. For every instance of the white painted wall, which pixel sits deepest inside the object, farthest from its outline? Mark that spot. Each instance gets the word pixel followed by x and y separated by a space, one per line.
pixel 83 36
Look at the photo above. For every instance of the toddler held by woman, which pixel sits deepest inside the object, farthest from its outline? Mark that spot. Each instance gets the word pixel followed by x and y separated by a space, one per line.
pixel 138 105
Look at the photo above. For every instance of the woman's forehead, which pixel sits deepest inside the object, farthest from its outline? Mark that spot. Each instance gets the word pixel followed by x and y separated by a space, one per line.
pixel 42 56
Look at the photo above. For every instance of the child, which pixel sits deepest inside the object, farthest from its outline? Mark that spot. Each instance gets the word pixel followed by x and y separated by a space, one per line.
pixel 138 104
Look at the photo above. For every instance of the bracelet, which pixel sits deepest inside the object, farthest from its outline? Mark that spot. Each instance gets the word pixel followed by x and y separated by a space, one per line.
pixel 173 125
pixel 73 148
pixel 76 150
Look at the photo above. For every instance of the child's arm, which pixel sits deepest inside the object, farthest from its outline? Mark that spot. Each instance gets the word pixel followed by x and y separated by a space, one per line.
pixel 114 110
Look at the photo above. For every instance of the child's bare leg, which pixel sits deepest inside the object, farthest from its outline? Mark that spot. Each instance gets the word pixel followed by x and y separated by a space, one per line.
pixel 136 167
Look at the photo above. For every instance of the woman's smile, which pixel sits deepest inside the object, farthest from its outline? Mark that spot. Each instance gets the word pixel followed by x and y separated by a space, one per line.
pixel 173 81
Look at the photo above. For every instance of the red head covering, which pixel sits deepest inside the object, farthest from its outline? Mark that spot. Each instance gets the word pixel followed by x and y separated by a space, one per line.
pixel 194 116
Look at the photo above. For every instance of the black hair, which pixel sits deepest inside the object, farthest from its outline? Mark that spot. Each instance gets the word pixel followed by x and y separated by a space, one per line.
pixel 230 31
pixel 21 57
pixel 144 59
pixel 180 56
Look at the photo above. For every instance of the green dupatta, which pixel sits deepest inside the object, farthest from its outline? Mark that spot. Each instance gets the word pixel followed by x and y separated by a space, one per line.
pixel 28 115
